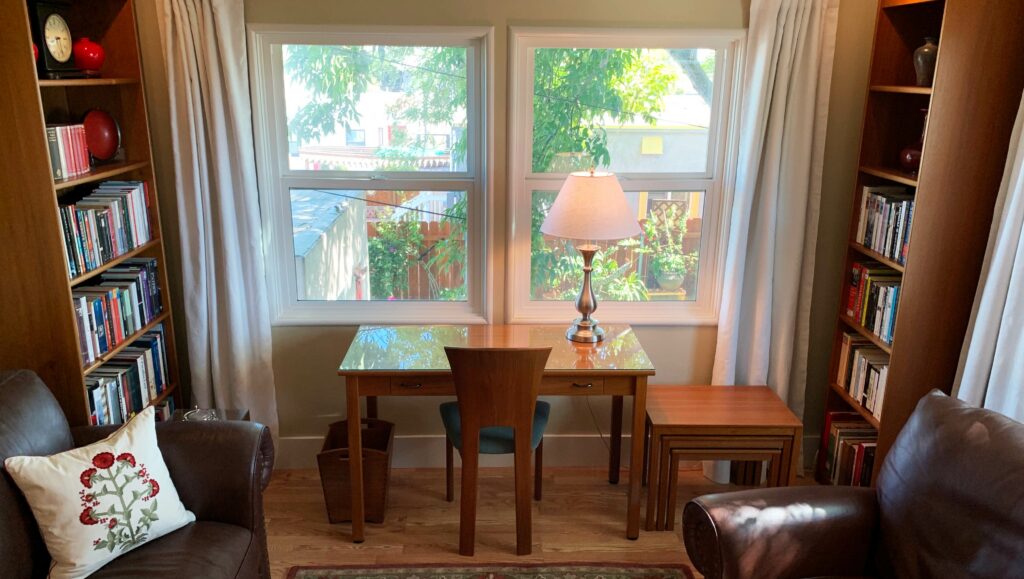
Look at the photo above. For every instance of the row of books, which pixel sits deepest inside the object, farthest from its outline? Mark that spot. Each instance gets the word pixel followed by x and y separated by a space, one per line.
pixel 863 372
pixel 103 224
pixel 130 380
pixel 122 301
pixel 69 156
pixel 886 214
pixel 850 449
pixel 872 298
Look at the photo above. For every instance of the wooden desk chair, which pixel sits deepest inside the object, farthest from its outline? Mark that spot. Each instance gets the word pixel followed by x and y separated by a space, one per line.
pixel 497 413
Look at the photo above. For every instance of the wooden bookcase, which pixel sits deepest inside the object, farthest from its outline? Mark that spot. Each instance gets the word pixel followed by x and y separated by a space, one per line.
pixel 39 330
pixel 971 106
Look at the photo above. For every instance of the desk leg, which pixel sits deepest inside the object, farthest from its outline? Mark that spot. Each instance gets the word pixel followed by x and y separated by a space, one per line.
pixel 355 463
pixel 615 450
pixel 636 458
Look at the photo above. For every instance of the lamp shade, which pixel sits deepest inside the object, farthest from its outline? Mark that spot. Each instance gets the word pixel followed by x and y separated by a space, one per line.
pixel 591 206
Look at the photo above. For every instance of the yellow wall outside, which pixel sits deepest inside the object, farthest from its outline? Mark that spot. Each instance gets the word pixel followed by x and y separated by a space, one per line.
pixel 310 395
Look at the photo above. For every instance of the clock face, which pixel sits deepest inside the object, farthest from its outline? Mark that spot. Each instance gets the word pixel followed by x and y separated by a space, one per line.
pixel 58 38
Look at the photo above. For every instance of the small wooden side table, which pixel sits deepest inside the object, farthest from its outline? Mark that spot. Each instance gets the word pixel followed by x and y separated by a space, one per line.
pixel 745 423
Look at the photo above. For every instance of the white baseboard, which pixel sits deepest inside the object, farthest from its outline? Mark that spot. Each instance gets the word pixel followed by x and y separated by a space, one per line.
pixel 427 451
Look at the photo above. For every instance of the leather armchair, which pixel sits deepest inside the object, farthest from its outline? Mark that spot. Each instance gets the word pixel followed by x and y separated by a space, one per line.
pixel 949 503
pixel 220 470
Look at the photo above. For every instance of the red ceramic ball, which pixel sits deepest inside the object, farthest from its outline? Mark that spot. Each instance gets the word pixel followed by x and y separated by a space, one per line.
pixel 102 135
pixel 89 56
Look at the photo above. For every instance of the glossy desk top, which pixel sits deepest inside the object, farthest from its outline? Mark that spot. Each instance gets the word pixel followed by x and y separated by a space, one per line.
pixel 389 349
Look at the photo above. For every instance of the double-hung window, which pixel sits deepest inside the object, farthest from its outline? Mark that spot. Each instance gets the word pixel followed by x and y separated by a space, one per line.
pixel 652 107
pixel 371 151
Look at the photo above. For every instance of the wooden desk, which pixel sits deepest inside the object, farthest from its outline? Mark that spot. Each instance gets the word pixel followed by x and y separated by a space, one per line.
pixel 410 361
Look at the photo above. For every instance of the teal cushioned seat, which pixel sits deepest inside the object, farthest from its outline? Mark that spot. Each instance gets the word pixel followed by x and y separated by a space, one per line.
pixel 494 439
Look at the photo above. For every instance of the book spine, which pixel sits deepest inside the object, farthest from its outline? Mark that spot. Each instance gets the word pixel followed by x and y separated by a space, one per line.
pixel 54 150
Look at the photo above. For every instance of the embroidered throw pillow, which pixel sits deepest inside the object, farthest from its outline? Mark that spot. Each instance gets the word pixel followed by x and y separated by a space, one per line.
pixel 100 501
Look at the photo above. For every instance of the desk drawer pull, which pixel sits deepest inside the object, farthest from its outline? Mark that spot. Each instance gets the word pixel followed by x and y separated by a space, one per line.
pixel 578 385
pixel 411 385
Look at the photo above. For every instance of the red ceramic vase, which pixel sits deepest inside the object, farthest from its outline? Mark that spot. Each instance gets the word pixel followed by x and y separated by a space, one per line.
pixel 89 56
pixel 35 52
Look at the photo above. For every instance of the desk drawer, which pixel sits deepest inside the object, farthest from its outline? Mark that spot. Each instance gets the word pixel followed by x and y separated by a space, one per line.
pixel 571 386
pixel 422 386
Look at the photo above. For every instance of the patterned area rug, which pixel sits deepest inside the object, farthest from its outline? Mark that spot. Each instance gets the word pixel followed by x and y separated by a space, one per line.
pixel 499 571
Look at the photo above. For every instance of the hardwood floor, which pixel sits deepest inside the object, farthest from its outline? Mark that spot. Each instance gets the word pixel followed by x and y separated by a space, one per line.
pixel 581 519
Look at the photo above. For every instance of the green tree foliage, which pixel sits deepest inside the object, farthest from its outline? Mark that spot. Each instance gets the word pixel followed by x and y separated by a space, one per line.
pixel 432 80
pixel 391 252
pixel 576 89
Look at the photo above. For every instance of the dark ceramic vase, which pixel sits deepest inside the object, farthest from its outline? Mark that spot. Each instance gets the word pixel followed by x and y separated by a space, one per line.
pixel 924 61
pixel 910 156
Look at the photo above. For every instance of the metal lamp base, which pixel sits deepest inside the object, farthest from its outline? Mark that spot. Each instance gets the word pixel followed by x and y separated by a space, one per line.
pixel 585 331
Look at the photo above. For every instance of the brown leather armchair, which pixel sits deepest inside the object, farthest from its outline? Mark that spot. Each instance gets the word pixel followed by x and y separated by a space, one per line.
pixel 949 504
pixel 220 470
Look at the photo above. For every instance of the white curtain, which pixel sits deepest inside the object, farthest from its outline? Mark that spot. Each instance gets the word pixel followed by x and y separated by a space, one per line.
pixel 763 322
pixel 226 310
pixel 992 365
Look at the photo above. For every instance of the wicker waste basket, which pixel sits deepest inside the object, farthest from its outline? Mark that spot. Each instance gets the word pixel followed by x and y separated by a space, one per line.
pixel 378 438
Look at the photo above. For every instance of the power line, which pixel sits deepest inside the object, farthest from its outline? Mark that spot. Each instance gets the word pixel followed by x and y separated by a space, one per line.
pixel 398 206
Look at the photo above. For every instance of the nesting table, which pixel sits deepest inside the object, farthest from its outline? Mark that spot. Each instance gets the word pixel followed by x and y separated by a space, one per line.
pixel 739 423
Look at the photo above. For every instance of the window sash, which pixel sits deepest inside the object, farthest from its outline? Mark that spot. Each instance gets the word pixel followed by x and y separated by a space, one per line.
pixel 716 181
pixel 277 179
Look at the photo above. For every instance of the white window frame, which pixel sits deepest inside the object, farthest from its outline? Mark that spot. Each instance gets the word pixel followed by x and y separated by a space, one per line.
pixel 276 178
pixel 717 180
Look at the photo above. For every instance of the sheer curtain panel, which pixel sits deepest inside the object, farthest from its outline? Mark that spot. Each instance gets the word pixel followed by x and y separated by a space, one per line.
pixel 764 318
pixel 226 310
pixel 992 365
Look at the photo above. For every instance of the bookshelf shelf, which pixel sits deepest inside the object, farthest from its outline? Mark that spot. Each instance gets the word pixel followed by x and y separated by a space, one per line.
pixel 876 256
pixel 854 325
pixel 970 114
pixel 36 304
pixel 908 179
pixel 901 89
pixel 864 412
pixel 127 342
pixel 169 390
pixel 900 3
pixel 114 262
pixel 100 173
pixel 77 82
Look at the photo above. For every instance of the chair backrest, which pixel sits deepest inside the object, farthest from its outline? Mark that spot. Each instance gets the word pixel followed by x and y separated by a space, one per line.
pixel 31 424
pixel 951 494
pixel 496 386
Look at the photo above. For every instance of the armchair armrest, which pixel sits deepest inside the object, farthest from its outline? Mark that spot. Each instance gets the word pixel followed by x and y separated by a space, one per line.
pixel 220 468
pixel 781 532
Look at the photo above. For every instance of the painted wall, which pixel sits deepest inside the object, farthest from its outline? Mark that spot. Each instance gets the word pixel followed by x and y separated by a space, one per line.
pixel 309 394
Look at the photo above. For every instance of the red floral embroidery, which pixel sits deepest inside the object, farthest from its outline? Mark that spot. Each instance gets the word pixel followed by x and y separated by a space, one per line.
pixel 103 460
pixel 86 477
pixel 127 521
pixel 86 517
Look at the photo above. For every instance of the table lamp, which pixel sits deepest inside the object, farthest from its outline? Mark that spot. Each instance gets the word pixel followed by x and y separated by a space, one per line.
pixel 590 206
